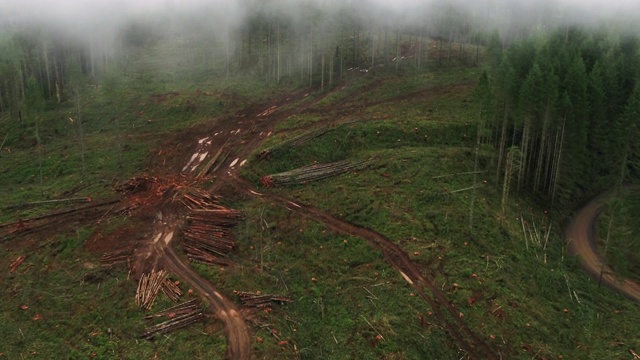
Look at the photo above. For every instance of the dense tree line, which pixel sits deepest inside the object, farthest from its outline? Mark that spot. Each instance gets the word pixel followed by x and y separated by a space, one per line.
pixel 565 114
pixel 307 43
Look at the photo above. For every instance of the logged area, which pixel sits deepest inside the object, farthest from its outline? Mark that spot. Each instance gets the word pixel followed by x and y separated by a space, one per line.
pixel 372 194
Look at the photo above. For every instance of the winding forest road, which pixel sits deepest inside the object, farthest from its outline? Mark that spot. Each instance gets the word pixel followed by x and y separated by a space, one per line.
pixel 582 235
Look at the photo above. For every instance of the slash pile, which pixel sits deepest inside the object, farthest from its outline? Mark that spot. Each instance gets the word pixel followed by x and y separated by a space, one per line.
pixel 148 288
pixel 310 173
pixel 258 300
pixel 180 316
pixel 207 238
pixel 172 290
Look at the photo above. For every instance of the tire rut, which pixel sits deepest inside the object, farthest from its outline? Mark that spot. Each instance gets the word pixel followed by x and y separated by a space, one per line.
pixel 398 259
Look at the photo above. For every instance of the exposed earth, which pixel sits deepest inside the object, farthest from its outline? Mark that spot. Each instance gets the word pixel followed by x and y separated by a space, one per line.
pixel 582 235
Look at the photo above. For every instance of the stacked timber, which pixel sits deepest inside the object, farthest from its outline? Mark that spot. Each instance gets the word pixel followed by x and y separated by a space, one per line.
pixel 171 289
pixel 195 199
pixel 314 172
pixel 123 255
pixel 207 237
pixel 250 299
pixel 148 288
pixel 201 256
pixel 180 316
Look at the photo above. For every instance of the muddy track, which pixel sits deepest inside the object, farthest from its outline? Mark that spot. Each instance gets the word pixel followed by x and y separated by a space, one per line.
pixel 446 313
pixel 581 233
pixel 237 332
pixel 237 136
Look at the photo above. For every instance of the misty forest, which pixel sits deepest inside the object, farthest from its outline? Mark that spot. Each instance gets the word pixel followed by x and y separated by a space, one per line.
pixel 313 179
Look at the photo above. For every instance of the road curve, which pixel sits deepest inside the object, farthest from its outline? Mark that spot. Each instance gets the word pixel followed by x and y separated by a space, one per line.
pixel 238 341
pixel 582 236
pixel 397 258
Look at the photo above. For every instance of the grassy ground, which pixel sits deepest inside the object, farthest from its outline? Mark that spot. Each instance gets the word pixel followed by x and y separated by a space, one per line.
pixel 531 298
pixel 83 310
pixel 528 300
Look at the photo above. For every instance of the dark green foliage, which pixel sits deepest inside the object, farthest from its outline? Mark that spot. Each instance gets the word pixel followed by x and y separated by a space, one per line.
pixel 565 101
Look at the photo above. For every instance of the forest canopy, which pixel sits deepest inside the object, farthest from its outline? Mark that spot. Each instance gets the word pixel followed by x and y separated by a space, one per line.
pixel 565 112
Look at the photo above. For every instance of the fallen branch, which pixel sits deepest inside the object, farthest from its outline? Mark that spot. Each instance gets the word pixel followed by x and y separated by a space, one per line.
pixel 46 202
pixel 314 172
pixel 15 263
pixel 465 189
pixel 60 213
pixel 460 173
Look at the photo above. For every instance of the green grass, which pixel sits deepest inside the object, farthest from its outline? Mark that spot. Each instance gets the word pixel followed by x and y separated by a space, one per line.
pixel 352 285
pixel 84 310
pixel 425 126
pixel 519 294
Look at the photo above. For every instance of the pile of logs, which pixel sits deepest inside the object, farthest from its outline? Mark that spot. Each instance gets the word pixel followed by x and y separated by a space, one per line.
pixel 195 199
pixel 172 290
pixel 204 257
pixel 293 142
pixel 148 288
pixel 180 316
pixel 310 173
pixel 117 257
pixel 250 299
pixel 207 238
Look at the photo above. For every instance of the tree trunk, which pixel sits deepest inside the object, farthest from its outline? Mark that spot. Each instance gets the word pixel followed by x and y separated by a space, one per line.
pixel 278 50
pixel 450 43
pixel 506 185
pixel 356 34
pixel 556 172
pixel 373 56
pixel 386 46
pixel 80 130
pixel 397 49
pixel 503 135
pixel 541 150
pixel 420 45
pixel 475 172
pixel 45 54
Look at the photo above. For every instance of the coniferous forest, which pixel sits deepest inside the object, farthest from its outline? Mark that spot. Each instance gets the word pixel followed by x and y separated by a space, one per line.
pixel 563 110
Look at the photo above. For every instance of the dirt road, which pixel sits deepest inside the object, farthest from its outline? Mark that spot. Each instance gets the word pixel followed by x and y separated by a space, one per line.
pixel 237 332
pixel 447 314
pixel 582 235
pixel 243 133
